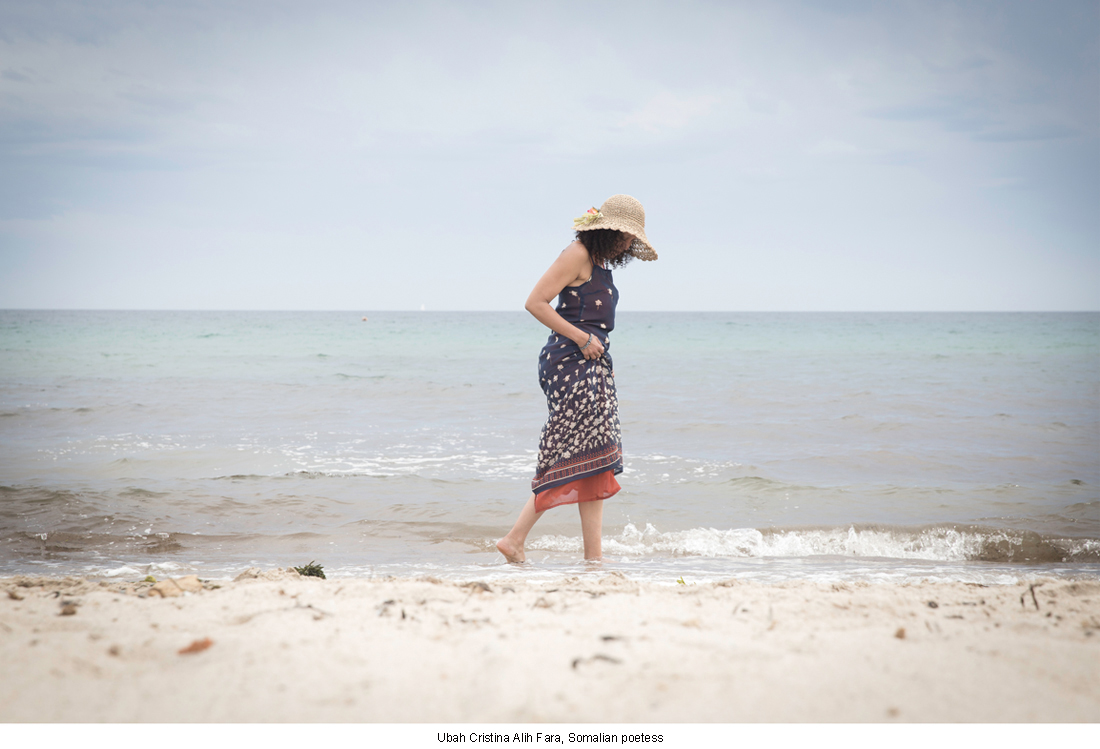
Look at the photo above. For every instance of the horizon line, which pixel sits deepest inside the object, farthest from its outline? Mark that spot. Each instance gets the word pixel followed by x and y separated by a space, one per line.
pixel 521 310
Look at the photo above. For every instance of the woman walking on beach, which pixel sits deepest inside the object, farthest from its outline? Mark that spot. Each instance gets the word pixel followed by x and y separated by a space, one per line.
pixel 580 450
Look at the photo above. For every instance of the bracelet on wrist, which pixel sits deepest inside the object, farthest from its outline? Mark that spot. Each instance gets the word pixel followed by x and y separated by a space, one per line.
pixel 587 342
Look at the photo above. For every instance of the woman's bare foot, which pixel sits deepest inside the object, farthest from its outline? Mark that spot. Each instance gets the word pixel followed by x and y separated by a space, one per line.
pixel 512 553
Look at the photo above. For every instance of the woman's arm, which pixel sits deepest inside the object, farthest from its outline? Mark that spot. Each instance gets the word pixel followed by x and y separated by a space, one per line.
pixel 572 265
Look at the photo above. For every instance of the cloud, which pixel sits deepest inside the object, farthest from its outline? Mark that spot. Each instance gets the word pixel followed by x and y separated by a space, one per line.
pixel 668 111
pixel 1035 131
pixel 15 75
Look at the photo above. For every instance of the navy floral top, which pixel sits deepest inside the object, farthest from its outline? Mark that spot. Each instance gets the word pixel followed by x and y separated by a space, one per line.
pixel 591 307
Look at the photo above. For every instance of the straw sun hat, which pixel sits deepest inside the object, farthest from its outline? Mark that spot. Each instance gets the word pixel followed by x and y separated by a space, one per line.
pixel 622 213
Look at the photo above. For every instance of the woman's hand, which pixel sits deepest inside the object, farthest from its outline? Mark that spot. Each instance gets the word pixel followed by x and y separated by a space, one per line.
pixel 595 347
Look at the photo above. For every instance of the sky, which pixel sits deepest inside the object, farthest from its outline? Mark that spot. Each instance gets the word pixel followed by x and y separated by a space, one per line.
pixel 396 156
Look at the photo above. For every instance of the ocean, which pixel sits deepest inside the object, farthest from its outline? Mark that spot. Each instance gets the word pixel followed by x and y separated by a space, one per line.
pixel 762 446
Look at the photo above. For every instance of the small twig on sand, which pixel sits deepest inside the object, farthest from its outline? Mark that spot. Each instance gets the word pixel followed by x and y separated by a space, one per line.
pixel 1031 590
pixel 596 657
pixel 319 613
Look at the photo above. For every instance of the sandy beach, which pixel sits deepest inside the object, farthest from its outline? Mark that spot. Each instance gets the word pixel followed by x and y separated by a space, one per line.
pixel 272 646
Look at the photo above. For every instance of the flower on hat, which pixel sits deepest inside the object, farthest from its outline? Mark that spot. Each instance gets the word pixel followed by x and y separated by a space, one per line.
pixel 589 216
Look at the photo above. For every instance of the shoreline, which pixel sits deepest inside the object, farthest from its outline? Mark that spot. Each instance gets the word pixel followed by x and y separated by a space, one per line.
pixel 272 646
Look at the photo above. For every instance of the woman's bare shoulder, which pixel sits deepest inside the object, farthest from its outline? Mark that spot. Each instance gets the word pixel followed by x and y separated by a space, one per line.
pixel 576 261
pixel 575 254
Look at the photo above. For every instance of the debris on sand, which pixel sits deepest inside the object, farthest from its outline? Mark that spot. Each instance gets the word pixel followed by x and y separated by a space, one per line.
pixel 311 570
pixel 197 646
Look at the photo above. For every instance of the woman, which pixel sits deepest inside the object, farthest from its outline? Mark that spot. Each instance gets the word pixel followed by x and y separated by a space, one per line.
pixel 580 451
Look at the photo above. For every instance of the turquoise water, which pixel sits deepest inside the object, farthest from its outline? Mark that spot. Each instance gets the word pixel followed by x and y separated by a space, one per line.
pixel 767 445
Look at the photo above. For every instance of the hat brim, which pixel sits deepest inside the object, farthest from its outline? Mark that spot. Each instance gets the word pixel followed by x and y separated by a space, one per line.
pixel 640 248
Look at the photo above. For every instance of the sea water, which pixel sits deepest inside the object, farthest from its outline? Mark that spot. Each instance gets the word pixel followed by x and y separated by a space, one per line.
pixel 764 446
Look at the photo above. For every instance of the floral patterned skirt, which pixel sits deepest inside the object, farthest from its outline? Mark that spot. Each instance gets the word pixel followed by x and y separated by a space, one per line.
pixel 580 450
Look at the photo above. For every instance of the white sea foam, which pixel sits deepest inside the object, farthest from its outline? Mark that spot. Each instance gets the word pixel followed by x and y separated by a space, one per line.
pixel 118 572
pixel 163 567
pixel 941 544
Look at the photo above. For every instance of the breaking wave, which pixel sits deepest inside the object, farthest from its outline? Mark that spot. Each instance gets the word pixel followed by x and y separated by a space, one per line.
pixel 946 543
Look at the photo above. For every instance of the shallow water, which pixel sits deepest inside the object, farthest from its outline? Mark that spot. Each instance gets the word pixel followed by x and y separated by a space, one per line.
pixel 767 445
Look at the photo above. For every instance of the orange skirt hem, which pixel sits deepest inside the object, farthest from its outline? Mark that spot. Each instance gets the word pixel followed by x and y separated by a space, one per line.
pixel 600 486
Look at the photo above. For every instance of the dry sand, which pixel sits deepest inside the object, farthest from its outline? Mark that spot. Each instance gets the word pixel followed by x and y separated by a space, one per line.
pixel 274 646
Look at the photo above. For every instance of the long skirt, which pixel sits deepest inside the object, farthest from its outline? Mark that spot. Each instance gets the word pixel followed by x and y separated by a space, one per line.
pixel 580 450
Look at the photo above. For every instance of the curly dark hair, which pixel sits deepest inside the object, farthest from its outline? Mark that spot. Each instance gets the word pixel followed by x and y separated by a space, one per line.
pixel 602 245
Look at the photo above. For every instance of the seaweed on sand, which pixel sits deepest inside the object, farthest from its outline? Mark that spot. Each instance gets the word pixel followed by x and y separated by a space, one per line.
pixel 311 570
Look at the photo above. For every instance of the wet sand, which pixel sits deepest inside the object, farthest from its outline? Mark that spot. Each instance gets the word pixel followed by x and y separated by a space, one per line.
pixel 276 647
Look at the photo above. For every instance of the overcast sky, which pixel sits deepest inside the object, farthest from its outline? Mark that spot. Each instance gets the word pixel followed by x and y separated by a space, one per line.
pixel 371 156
